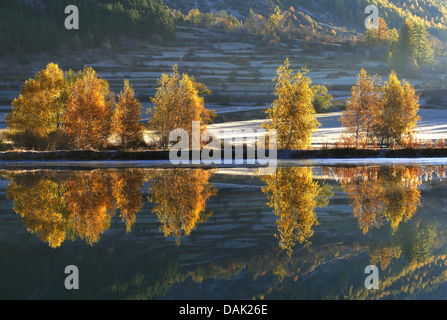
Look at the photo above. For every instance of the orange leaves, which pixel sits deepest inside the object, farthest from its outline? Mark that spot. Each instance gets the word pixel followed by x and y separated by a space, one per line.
pixel 77 106
pixel 126 118
pixel 89 111
pixel 387 112
pixel 360 116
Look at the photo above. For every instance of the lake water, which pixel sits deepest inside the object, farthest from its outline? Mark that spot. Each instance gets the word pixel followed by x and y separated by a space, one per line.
pixel 297 233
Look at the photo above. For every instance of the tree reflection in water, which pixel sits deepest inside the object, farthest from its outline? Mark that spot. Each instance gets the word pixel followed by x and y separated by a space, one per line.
pixel 75 205
pixel 180 199
pixel 81 204
pixel 60 205
pixel 294 196
pixel 378 194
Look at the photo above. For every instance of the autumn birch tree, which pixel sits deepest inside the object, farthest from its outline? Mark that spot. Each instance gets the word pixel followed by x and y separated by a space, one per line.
pixel 177 103
pixel 126 118
pixel 89 111
pixel 292 113
pixel 39 107
pixel 360 116
pixel 398 114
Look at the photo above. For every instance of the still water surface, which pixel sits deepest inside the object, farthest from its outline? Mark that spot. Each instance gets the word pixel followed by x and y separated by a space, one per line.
pixel 296 233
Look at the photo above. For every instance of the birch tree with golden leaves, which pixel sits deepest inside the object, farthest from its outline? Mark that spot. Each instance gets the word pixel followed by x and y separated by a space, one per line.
pixel 39 107
pixel 292 113
pixel 360 116
pixel 177 103
pixel 89 111
pixel 398 115
pixel 126 118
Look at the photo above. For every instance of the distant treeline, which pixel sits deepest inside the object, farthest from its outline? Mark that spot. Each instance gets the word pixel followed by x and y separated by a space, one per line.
pixel 37 28
pixel 431 13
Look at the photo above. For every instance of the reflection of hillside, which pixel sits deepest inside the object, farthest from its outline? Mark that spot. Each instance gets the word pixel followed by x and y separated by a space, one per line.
pixel 294 195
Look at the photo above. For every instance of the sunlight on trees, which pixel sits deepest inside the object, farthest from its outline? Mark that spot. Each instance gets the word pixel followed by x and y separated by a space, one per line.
pixel 386 113
pixel 39 107
pixel 177 103
pixel 360 116
pixel 89 111
pixel 292 113
pixel 398 114
pixel 126 118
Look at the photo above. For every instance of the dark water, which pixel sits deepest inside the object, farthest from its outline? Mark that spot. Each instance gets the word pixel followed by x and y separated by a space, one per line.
pixel 298 233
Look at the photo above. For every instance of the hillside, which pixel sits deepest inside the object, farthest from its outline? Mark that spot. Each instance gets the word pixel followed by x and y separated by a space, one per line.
pixel 34 25
pixel 341 13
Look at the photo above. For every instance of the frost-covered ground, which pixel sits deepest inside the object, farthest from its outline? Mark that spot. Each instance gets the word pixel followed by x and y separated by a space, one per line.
pixel 433 125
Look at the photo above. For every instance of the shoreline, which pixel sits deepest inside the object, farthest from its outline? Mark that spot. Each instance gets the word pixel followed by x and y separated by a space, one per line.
pixel 160 159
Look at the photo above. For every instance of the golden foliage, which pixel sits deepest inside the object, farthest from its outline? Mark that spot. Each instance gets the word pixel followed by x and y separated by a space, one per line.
pixel 293 195
pixel 177 103
pixel 381 193
pixel 180 199
pixel 398 115
pixel 292 113
pixel 360 116
pixel 126 118
pixel 89 111
pixel 39 107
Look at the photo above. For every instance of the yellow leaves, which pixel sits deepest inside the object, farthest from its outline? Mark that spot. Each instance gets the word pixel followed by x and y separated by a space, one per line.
pixel 360 116
pixel 177 103
pixel 292 113
pixel 180 199
pixel 376 194
pixel 126 118
pixel 293 194
pixel 386 112
pixel 39 105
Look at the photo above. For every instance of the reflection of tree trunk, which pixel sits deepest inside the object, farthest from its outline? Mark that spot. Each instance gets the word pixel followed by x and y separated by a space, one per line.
pixel 278 203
